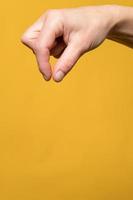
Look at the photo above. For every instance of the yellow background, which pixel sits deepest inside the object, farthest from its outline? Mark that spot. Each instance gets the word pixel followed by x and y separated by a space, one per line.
pixel 67 141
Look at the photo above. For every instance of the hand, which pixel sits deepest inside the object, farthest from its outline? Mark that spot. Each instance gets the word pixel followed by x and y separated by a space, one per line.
pixel 67 34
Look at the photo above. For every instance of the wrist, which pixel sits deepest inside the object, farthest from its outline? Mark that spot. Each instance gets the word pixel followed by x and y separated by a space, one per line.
pixel 122 20
pixel 113 17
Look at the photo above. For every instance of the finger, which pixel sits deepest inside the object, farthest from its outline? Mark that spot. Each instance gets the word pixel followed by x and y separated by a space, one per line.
pixel 45 43
pixel 67 60
pixel 32 33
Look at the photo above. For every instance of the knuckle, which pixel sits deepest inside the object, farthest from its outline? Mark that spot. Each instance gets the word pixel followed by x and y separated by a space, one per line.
pixel 68 67
pixel 56 13
pixel 24 39
pixel 70 63
pixel 39 47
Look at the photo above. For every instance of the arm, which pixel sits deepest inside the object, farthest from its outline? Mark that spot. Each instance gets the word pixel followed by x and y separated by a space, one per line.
pixel 67 34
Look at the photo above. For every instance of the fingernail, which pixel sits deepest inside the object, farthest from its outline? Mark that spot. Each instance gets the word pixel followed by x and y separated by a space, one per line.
pixel 59 76
pixel 45 77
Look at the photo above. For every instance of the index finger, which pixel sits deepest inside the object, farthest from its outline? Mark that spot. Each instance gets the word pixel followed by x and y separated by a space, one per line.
pixel 45 42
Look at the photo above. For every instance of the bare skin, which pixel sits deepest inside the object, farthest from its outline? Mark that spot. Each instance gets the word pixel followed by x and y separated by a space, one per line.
pixel 67 34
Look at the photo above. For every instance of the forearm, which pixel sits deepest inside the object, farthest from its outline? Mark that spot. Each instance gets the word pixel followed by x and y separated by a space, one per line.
pixel 122 32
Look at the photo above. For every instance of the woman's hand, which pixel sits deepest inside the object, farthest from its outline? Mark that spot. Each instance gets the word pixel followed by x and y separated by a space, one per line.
pixel 67 34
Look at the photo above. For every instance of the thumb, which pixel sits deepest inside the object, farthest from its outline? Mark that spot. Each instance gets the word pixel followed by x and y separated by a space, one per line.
pixel 67 60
